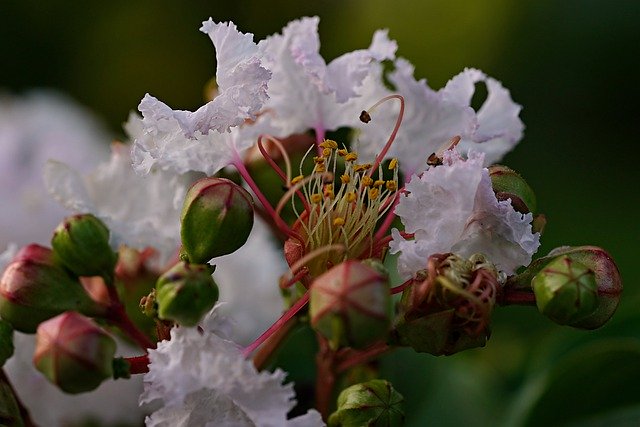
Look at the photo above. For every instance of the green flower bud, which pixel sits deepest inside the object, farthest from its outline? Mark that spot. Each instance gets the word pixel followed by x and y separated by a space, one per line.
pixel 81 242
pixel 374 403
pixel 604 273
pixel 566 291
pixel 9 410
pixel 35 288
pixel 448 307
pixel 350 304
pixel 186 293
pixel 6 342
pixel 508 184
pixel 74 353
pixel 217 217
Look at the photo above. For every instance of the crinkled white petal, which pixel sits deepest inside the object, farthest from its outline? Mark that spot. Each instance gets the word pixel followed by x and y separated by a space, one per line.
pixel 114 402
pixel 305 92
pixel 34 128
pixel 140 211
pixel 253 270
pixel 452 208
pixel 199 141
pixel 499 126
pixel 198 368
pixel 429 122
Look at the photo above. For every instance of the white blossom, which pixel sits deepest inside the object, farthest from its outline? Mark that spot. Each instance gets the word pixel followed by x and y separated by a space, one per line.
pixel 452 208
pixel 306 93
pixel 432 118
pixel 200 141
pixel 7 255
pixel 33 128
pixel 202 379
pixel 140 211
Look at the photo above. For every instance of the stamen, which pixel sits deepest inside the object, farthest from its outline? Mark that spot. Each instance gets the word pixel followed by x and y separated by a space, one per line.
pixel 345 179
pixel 297 179
pixel 350 157
pixel 338 222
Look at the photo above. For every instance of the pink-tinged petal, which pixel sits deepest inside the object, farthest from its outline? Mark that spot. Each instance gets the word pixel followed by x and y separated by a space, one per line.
pixel 499 126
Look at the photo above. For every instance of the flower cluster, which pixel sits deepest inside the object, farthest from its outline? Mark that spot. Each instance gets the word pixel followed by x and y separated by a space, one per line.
pixel 414 185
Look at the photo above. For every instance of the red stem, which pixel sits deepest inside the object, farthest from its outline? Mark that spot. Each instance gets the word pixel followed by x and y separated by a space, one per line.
pixel 516 297
pixel 117 315
pixel 402 287
pixel 138 364
pixel 364 356
pixel 393 134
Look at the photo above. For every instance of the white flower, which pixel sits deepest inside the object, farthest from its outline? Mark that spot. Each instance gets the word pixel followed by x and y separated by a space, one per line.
pixel 34 128
pixel 200 140
pixel 248 282
pixel 452 208
pixel 139 211
pixel 305 92
pixel 432 118
pixel 203 380
pixel 7 255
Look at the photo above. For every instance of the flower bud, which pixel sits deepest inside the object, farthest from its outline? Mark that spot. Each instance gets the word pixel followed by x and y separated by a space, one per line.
pixel 217 217
pixel 350 304
pixel 81 242
pixel 186 293
pixel 596 287
pixel 448 307
pixel 374 403
pixel 74 353
pixel 35 288
pixel 6 342
pixel 508 184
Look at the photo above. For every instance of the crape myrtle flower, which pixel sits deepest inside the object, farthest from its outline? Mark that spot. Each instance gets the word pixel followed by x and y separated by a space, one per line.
pixel 306 93
pixel 202 379
pixel 452 208
pixel 139 211
pixel 434 117
pixel 40 125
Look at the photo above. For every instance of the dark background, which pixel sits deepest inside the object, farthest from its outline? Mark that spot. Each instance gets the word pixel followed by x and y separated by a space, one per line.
pixel 572 64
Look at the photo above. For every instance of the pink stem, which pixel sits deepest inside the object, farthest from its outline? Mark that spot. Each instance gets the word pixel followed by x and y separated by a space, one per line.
pixel 393 134
pixel 388 220
pixel 402 287
pixel 138 364
pixel 295 308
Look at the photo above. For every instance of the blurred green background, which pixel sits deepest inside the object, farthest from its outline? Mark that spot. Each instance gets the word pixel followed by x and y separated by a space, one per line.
pixel 572 64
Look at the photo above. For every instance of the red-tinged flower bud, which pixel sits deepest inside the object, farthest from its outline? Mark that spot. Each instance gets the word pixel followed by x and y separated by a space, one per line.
pixel 6 342
pixel 578 286
pixel 74 353
pixel 350 304
pixel 35 288
pixel 374 403
pixel 81 242
pixel 508 184
pixel 217 217
pixel 186 293
pixel 448 307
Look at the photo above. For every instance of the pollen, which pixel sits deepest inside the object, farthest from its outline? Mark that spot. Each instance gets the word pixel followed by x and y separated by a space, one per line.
pixel 391 185
pixel 373 193
pixel 367 181
pixel 342 152
pixel 351 197
pixel 378 183
pixel 393 163
pixel 318 160
pixel 351 157
pixel 316 198
pixel 362 167
pixel 338 222
pixel 326 152
pixel 345 179
pixel 297 179
pixel 329 143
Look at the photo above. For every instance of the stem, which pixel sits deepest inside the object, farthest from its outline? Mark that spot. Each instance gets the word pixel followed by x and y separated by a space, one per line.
pixel 320 132
pixel 388 220
pixel 392 137
pixel 138 364
pixel 325 376
pixel 24 412
pixel 117 315
pixel 265 352
pixel 281 322
pixel 402 287
pixel 516 297
pixel 361 357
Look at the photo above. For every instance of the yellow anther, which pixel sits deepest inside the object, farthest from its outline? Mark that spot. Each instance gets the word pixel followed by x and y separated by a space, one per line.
pixel 373 193
pixel 393 163
pixel 329 143
pixel 316 198
pixel 378 183
pixel 318 160
pixel 363 167
pixel 338 222
pixel 328 187
pixel 392 185
pixel 350 157
pixel 319 168
pixel 345 178
pixel 342 152
pixel 297 179
pixel 329 194
pixel 366 181
pixel 351 197
pixel 326 152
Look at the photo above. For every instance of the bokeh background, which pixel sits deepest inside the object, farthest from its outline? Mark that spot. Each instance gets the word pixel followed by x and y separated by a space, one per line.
pixel 572 64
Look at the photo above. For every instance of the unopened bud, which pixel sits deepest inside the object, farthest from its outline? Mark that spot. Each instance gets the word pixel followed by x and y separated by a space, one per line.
pixel 6 342
pixel 216 219
pixel 350 304
pixel 374 403
pixel 448 307
pixel 81 242
pixel 596 286
pixel 74 353
pixel 508 184
pixel 35 288
pixel 186 293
